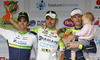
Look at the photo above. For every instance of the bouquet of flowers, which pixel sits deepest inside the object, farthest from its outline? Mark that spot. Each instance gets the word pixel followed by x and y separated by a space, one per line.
pixel 64 34
pixel 11 6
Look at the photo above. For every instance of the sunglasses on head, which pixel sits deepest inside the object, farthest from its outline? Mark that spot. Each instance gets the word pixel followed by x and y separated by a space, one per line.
pixel 51 12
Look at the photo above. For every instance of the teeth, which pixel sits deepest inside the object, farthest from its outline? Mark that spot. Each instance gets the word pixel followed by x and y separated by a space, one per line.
pixel 22 26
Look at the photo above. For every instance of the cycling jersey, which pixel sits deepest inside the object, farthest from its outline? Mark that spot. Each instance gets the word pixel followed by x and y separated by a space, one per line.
pixel 48 42
pixel 20 44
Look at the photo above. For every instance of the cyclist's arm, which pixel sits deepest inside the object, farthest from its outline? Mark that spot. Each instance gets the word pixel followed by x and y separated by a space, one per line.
pixel 62 49
pixel 62 55
pixel 35 46
pixel 36 29
pixel 5 33
pixel 13 22
pixel 90 48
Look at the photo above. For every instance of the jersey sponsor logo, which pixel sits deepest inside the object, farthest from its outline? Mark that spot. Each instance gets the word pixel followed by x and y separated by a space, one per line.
pixel 24 38
pixel 18 37
pixel 47 39
pixel 46 45
pixel 45 31
pixel 40 23
pixel 19 42
pixel 51 34
pixel 45 50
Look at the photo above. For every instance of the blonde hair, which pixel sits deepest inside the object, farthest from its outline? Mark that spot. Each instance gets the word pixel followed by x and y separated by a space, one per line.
pixel 89 15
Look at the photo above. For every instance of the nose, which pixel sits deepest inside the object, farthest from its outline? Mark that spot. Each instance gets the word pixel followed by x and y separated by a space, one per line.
pixel 22 22
pixel 77 18
pixel 49 21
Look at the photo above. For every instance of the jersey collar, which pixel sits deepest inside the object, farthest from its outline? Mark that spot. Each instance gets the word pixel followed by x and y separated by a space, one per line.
pixel 22 33
pixel 78 28
pixel 51 29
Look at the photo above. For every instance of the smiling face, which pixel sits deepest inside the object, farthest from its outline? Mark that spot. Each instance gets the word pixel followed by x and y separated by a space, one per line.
pixel 77 19
pixel 50 22
pixel 23 23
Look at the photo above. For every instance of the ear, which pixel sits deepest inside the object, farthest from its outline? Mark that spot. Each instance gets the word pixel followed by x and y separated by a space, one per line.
pixel 56 20
pixel 71 18
pixel 28 23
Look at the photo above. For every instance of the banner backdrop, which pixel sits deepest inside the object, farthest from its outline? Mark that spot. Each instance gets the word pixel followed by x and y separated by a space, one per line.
pixel 37 10
pixel 6 24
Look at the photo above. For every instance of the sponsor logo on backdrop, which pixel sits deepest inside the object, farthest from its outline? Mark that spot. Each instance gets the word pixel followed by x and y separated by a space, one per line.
pixel 40 23
pixel 2 58
pixel 32 23
pixel 40 5
pixel 62 5
pixel 68 23
pixel 97 4
pixel 96 21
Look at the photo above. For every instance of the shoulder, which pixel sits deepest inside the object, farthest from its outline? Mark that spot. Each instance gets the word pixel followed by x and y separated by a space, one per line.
pixel 36 29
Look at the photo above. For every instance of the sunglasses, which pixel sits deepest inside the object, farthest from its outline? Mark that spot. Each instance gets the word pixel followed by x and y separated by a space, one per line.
pixel 51 12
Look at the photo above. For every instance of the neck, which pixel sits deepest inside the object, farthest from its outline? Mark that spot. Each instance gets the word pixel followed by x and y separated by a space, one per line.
pixel 78 26
pixel 23 30
pixel 51 28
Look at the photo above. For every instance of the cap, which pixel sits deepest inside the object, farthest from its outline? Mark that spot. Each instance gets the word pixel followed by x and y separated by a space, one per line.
pixel 76 11
pixel 24 14
pixel 52 14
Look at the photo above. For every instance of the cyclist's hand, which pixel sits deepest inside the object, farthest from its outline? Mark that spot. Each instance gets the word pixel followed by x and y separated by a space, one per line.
pixel 72 45
pixel 44 26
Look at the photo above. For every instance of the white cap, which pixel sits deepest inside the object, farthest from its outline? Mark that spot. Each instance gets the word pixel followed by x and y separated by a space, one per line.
pixel 76 11
pixel 51 15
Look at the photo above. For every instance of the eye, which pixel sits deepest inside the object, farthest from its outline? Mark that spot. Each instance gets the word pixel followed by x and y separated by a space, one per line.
pixel 74 17
pixel 52 19
pixel 25 21
pixel 19 20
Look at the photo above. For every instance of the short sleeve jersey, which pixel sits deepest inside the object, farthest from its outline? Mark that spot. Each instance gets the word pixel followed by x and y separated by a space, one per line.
pixel 48 43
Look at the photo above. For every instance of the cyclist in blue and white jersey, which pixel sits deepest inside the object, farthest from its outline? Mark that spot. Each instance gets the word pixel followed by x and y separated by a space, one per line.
pixel 20 42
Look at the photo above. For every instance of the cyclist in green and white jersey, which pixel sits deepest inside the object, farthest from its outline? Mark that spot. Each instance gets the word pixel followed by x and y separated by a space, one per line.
pixel 48 41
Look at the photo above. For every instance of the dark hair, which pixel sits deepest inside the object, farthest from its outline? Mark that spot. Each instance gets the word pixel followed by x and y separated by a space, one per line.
pixel 23 14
